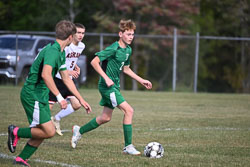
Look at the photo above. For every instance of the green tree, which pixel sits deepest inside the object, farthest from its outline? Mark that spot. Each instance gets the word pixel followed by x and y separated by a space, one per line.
pixel 224 64
pixel 152 17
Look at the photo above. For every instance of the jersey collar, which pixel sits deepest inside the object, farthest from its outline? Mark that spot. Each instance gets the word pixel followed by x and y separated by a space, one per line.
pixel 57 45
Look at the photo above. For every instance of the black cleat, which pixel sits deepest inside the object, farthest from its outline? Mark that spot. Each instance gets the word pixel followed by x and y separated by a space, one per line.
pixel 12 139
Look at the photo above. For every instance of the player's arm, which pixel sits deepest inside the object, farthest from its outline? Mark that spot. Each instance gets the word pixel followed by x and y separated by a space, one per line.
pixel 75 72
pixel 49 81
pixel 96 65
pixel 71 86
pixel 77 69
pixel 127 70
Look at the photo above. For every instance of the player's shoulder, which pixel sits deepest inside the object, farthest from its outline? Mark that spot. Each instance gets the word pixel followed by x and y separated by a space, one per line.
pixel 113 46
pixel 52 50
pixel 129 47
pixel 81 45
pixel 54 47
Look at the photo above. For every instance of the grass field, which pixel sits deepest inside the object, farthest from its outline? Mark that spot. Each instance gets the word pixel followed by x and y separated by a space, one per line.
pixel 194 129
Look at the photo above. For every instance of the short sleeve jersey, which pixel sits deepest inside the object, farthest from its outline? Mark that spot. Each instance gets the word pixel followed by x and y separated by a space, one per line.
pixel 50 55
pixel 72 53
pixel 113 59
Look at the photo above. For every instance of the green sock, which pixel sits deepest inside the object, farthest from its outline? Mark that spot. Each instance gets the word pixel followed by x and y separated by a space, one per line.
pixel 89 126
pixel 24 132
pixel 28 150
pixel 127 129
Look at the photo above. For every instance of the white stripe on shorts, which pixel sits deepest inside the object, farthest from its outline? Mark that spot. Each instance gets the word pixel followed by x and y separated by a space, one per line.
pixel 113 99
pixel 36 115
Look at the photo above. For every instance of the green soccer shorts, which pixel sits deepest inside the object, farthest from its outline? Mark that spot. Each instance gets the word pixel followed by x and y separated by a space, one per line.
pixel 37 112
pixel 111 97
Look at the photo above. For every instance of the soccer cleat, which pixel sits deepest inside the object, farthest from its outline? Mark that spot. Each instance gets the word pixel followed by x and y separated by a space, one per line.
pixel 130 149
pixel 76 135
pixel 57 126
pixel 20 161
pixel 12 138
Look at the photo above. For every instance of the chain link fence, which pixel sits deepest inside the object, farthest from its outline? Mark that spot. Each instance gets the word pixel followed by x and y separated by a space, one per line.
pixel 189 63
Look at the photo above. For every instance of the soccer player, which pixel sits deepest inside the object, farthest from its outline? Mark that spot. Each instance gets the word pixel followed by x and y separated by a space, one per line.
pixel 35 94
pixel 115 58
pixel 72 53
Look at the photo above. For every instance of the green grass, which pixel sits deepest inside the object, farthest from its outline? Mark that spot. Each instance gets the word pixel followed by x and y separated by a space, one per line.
pixel 195 130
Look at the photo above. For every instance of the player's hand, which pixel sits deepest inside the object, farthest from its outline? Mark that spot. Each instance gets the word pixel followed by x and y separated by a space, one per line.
pixel 77 69
pixel 86 106
pixel 109 82
pixel 74 74
pixel 63 104
pixel 147 84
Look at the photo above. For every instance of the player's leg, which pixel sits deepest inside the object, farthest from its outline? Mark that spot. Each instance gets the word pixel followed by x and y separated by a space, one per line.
pixel 52 101
pixel 94 123
pixel 104 117
pixel 37 113
pixel 41 127
pixel 43 131
pixel 38 133
pixel 127 128
pixel 91 125
pixel 73 106
pixel 55 122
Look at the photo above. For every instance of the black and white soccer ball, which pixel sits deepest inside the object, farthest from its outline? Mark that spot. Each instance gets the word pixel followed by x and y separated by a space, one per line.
pixel 154 150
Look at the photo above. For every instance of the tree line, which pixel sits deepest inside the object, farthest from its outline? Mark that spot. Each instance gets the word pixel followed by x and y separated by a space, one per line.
pixel 223 66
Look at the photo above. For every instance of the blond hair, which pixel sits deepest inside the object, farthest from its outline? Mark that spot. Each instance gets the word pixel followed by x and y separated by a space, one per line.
pixel 126 25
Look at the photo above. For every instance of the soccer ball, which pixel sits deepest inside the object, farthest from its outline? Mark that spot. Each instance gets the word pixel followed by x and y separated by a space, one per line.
pixel 153 150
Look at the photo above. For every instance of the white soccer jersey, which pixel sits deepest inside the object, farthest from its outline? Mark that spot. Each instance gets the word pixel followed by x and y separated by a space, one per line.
pixel 72 53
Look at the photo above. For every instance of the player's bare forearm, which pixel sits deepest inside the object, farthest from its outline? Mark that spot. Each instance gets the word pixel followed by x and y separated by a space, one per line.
pixel 71 86
pixel 96 65
pixel 77 69
pixel 127 70
pixel 73 73
pixel 147 84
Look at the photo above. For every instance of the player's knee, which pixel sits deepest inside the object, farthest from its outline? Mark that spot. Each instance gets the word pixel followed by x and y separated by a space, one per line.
pixel 105 119
pixel 51 132
pixel 129 112
pixel 76 106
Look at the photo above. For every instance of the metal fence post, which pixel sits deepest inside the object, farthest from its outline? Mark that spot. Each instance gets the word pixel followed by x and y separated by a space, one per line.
pixel 101 41
pixel 174 60
pixel 196 61
pixel 16 79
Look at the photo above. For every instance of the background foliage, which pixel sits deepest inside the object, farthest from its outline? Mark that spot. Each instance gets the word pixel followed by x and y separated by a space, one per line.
pixel 223 66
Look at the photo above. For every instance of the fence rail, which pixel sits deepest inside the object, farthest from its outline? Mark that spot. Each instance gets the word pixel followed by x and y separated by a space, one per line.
pixel 175 38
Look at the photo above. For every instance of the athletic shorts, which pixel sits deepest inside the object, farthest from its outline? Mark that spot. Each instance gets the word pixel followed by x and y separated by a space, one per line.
pixel 63 89
pixel 37 112
pixel 111 97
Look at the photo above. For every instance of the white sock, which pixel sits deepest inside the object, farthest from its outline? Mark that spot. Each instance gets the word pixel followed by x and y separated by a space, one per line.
pixel 64 112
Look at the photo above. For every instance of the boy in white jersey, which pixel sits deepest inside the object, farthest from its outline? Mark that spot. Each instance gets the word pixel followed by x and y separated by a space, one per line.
pixel 72 53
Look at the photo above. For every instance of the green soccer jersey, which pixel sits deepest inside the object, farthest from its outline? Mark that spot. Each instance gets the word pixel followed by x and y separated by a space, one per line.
pixel 113 59
pixel 50 55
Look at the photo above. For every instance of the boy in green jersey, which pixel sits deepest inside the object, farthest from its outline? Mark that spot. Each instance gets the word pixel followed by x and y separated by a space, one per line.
pixel 35 94
pixel 115 59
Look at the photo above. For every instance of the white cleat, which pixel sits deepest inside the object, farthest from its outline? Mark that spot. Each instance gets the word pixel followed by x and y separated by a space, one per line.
pixel 76 136
pixel 130 149
pixel 57 126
